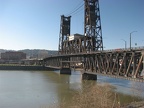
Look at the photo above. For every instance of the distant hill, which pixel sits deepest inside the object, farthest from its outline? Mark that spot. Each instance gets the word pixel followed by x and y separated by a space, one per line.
pixel 4 50
pixel 35 53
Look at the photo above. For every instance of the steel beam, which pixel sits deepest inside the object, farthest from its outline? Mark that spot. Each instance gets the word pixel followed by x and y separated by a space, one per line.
pixel 126 64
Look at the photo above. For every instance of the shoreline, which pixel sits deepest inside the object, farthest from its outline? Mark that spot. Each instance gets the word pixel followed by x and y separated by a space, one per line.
pixel 23 67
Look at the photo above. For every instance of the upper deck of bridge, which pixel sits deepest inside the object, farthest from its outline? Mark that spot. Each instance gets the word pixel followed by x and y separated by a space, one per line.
pixel 120 50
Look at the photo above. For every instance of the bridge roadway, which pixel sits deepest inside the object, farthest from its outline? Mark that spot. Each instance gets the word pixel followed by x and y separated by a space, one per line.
pixel 126 63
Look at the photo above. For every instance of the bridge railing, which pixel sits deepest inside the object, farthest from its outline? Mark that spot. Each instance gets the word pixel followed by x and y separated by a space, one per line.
pixel 126 49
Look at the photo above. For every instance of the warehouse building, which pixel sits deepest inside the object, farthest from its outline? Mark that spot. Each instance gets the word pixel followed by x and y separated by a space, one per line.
pixel 13 55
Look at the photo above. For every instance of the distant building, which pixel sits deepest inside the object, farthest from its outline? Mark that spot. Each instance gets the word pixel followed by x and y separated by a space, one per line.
pixel 13 55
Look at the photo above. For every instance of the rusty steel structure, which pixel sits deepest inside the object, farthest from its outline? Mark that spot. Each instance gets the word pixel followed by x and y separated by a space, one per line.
pixel 86 51
pixel 91 40
pixel 122 63
pixel 64 32
pixel 92 26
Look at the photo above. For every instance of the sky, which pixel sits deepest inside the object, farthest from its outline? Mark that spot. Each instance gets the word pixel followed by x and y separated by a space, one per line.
pixel 35 24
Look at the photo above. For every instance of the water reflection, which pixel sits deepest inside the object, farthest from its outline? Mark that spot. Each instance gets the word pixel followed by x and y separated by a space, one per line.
pixel 25 89
pixel 36 89
pixel 33 89
pixel 124 86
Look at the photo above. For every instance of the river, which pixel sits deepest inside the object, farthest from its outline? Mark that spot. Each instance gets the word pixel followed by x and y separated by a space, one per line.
pixel 38 89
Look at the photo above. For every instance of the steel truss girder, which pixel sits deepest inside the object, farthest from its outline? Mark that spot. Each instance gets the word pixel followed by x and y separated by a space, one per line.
pixel 76 46
pixel 128 64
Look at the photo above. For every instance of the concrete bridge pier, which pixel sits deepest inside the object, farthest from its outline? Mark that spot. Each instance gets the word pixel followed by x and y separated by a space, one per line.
pixel 65 66
pixel 87 76
pixel 65 71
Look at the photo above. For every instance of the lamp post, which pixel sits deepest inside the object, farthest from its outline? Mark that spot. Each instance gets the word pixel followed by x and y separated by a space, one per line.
pixel 130 38
pixel 125 42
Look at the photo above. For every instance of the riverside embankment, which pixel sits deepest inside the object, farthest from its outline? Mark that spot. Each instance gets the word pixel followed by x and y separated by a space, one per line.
pixel 23 67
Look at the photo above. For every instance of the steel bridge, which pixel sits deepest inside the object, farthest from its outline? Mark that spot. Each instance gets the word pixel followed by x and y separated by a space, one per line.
pixel 127 64
pixel 86 51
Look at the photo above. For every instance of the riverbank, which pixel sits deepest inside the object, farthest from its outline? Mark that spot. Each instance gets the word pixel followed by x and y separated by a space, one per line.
pixel 100 96
pixel 24 67
pixel 139 104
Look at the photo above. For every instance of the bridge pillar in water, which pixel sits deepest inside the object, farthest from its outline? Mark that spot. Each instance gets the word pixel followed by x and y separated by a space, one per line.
pixel 65 71
pixel 87 76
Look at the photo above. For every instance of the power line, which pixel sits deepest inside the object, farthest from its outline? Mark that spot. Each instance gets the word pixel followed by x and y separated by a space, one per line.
pixel 76 9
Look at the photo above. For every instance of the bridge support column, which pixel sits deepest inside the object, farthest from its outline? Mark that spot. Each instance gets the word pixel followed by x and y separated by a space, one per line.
pixel 65 71
pixel 87 76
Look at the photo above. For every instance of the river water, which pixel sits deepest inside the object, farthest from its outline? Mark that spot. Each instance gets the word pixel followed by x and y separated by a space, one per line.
pixel 38 89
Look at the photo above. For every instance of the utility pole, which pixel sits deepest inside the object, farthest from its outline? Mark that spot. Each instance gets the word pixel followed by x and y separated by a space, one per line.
pixel 130 38
pixel 125 42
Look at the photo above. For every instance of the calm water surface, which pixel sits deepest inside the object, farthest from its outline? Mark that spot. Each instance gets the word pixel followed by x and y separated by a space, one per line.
pixel 38 89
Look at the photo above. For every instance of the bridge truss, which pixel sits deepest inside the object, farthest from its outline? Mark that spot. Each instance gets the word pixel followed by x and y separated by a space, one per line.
pixel 86 52
pixel 124 64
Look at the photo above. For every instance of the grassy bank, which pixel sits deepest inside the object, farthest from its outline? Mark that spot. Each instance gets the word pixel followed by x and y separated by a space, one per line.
pixel 98 96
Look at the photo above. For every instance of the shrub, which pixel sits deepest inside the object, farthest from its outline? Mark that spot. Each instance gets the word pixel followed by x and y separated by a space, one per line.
pixel 96 96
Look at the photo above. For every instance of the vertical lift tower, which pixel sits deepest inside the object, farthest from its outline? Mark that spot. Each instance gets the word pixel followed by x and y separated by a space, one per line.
pixel 92 38
pixel 64 33
pixel 92 26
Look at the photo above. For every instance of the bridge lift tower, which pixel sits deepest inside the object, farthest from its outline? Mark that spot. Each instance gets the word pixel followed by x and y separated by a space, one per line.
pixel 64 32
pixel 91 40
pixel 92 26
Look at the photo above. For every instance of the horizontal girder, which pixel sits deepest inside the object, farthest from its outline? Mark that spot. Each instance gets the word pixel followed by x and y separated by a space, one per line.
pixel 128 64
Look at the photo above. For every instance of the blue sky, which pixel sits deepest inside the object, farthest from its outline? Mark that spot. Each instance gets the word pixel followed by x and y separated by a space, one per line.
pixel 35 24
